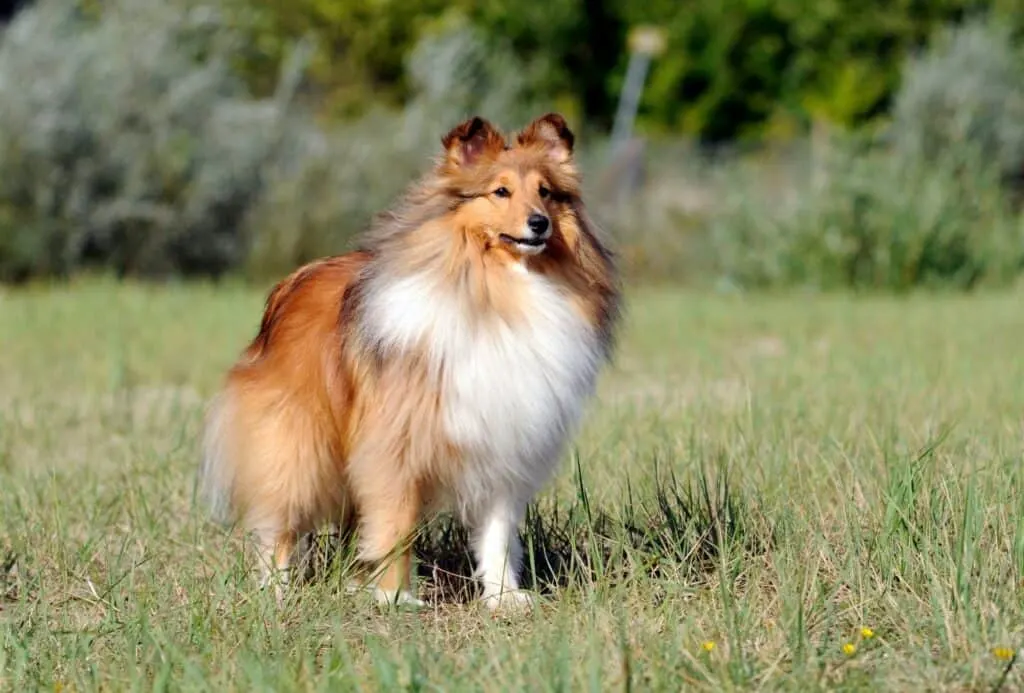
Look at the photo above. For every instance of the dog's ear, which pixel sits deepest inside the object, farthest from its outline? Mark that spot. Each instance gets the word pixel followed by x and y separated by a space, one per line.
pixel 550 131
pixel 470 140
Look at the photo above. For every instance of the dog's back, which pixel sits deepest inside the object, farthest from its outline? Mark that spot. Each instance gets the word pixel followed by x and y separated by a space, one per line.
pixel 272 446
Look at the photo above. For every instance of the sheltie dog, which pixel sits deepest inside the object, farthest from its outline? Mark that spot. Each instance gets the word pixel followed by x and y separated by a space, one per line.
pixel 443 365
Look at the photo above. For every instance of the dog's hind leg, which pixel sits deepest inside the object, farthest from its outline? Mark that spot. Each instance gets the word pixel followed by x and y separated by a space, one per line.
pixel 388 521
pixel 275 555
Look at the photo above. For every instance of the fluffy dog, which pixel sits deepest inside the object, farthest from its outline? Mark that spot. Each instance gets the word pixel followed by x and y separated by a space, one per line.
pixel 443 365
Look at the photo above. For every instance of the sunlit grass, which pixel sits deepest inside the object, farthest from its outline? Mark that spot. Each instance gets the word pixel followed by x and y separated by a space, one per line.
pixel 791 492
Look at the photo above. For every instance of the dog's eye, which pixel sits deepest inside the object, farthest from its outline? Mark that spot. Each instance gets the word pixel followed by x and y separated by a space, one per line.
pixel 544 192
pixel 502 192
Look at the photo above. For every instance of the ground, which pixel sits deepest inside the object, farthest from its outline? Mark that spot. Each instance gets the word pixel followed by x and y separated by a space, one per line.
pixel 788 492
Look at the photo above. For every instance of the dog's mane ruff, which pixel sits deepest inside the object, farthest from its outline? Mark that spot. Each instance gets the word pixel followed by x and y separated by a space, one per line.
pixel 427 199
pixel 597 263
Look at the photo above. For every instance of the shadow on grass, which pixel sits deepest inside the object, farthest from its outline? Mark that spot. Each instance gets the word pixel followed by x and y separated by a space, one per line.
pixel 680 531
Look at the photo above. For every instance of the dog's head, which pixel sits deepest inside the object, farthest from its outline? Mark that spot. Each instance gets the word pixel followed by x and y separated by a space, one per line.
pixel 514 195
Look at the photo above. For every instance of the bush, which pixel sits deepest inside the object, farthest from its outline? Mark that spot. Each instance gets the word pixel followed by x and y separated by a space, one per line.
pixel 927 209
pixel 866 218
pixel 325 190
pixel 731 68
pixel 925 205
pixel 746 68
pixel 155 160
pixel 360 47
pixel 127 142
pixel 363 49
pixel 966 90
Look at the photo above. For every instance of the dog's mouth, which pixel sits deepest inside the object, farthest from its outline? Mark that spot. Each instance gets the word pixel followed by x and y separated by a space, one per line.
pixel 525 245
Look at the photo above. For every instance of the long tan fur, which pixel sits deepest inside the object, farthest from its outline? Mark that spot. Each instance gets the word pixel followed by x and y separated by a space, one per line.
pixel 444 364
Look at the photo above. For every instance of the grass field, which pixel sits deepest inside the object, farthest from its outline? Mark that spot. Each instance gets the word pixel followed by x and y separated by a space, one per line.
pixel 759 481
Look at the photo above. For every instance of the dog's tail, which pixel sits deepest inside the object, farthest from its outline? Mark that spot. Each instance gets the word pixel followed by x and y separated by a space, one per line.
pixel 215 479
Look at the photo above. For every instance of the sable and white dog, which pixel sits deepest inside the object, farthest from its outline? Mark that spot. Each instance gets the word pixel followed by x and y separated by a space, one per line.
pixel 443 365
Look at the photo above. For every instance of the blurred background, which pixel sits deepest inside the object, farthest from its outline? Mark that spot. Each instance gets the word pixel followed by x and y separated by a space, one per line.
pixel 735 144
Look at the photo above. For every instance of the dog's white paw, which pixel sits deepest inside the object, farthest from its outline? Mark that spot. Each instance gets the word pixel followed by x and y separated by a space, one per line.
pixel 509 600
pixel 279 581
pixel 402 598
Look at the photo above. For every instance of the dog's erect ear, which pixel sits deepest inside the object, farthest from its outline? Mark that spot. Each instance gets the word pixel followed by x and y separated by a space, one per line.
pixel 551 131
pixel 468 141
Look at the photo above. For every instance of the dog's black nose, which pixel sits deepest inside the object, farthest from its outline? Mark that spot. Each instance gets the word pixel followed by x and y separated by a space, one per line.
pixel 538 223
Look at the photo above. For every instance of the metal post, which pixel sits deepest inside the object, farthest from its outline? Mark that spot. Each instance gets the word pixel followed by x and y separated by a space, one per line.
pixel 629 100
pixel 645 42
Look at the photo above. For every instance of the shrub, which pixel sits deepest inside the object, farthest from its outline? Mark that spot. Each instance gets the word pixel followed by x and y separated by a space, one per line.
pixel 325 191
pixel 864 217
pixel 363 48
pixel 927 205
pixel 928 208
pixel 966 90
pixel 126 141
pixel 455 71
pixel 732 67
pixel 653 199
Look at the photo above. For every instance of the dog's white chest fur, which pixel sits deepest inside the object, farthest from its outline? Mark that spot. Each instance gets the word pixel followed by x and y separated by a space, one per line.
pixel 511 393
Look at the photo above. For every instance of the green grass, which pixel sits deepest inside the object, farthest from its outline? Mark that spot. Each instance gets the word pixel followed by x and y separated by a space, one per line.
pixel 766 474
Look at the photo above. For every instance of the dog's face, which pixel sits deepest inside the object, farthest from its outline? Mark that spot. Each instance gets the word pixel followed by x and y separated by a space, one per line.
pixel 513 197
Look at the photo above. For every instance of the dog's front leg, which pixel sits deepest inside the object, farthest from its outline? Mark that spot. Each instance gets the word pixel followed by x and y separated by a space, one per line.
pixel 499 555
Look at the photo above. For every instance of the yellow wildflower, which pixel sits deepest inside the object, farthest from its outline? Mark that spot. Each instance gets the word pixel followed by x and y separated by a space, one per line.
pixel 867 633
pixel 849 649
pixel 708 645
pixel 1004 653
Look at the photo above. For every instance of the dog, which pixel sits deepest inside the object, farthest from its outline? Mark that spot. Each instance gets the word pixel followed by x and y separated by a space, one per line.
pixel 443 365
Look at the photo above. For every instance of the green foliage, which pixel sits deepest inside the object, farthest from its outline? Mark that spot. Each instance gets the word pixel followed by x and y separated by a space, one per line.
pixel 456 70
pixel 868 218
pixel 576 47
pixel 326 191
pixel 567 48
pixel 967 89
pixel 724 67
pixel 156 160
pixel 733 67
pixel 360 46
pixel 126 142
pixel 929 208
